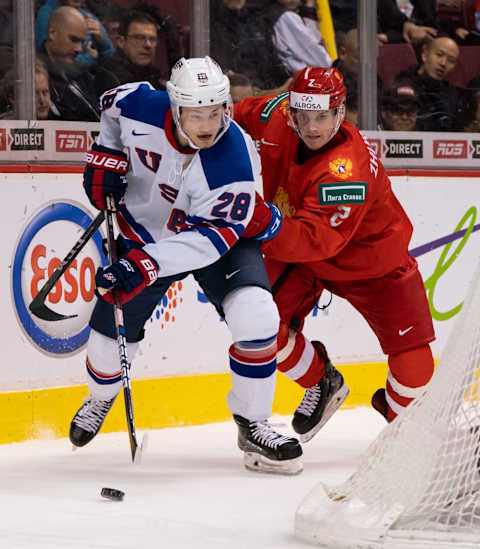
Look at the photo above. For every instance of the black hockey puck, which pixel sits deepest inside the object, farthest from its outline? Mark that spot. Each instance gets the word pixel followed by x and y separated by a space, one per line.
pixel 112 493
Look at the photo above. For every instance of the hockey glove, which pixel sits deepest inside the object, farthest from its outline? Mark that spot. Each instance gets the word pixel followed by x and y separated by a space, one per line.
pixel 105 174
pixel 130 275
pixel 266 221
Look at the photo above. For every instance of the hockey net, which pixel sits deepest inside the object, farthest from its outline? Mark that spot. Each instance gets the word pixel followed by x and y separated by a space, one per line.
pixel 418 484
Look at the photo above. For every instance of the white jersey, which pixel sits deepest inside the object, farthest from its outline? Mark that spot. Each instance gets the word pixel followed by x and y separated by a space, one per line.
pixel 188 207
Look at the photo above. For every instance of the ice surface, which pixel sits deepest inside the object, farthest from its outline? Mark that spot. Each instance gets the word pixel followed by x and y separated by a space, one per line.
pixel 190 492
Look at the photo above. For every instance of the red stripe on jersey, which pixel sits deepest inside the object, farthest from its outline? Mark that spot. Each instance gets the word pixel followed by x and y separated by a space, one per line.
pixel 229 235
pixel 127 230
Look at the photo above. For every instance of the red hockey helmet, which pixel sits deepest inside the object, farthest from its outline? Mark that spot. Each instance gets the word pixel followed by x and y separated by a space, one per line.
pixel 317 90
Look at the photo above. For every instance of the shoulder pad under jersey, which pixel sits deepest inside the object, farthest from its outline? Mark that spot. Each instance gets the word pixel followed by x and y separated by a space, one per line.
pixel 145 105
pixel 228 160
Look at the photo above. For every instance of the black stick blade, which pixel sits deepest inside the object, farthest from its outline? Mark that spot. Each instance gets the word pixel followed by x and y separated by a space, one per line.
pixel 40 310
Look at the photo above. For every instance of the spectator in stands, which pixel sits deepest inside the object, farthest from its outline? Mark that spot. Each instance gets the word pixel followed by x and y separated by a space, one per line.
pixel 112 20
pixel 241 40
pixel 42 95
pixel 399 108
pixel 71 84
pixel 474 83
pixel 6 23
pixel 348 58
pixel 240 86
pixel 97 44
pixel 438 98
pixel 393 25
pixel 296 37
pixel 351 107
pixel 455 18
pixel 348 62
pixel 134 59
pixel 470 115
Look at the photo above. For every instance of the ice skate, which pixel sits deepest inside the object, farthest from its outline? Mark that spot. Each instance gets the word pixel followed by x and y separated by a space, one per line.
pixel 379 402
pixel 266 450
pixel 320 401
pixel 88 420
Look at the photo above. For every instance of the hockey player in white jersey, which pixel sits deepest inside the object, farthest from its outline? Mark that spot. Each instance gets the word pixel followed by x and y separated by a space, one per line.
pixel 185 201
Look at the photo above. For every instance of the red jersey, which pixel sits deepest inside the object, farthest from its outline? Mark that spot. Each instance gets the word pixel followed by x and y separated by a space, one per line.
pixel 340 214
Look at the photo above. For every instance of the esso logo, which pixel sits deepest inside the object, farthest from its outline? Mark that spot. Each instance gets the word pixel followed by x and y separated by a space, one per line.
pixel 47 238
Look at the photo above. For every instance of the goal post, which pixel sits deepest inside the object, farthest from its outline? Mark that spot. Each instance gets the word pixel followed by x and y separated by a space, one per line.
pixel 418 483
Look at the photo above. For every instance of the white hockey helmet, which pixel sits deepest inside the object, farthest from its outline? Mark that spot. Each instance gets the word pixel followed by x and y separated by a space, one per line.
pixel 199 82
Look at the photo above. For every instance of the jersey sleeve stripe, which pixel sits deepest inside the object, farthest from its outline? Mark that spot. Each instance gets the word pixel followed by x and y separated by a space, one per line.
pixel 222 239
pixel 238 228
pixel 136 227
pixel 127 230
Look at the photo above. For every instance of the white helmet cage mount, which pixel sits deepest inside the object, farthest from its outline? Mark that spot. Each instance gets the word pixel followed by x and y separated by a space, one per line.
pixel 199 82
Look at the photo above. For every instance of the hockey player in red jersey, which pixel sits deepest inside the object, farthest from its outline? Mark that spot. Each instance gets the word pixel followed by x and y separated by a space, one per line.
pixel 344 231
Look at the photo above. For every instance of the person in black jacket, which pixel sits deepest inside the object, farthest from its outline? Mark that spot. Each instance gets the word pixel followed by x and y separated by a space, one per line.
pixel 241 41
pixel 439 100
pixel 454 19
pixel 393 25
pixel 134 59
pixel 71 84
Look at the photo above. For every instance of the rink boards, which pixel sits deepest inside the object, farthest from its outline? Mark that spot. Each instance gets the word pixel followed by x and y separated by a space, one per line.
pixel 181 372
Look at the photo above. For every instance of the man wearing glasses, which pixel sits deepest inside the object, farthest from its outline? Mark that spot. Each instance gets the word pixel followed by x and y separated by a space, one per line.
pixel 133 60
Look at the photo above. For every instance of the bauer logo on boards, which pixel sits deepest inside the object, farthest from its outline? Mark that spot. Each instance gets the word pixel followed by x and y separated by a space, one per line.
pixel 49 234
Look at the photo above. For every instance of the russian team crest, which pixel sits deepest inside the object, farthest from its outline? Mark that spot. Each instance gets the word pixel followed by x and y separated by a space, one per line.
pixel 341 168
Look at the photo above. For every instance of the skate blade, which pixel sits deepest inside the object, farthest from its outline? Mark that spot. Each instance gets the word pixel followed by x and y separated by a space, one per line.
pixel 261 464
pixel 332 406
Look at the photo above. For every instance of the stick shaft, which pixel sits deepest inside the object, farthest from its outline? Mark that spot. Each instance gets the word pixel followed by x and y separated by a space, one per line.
pixel 121 334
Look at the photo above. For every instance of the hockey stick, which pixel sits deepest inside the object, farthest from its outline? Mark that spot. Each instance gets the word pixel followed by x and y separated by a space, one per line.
pixel 37 306
pixel 122 341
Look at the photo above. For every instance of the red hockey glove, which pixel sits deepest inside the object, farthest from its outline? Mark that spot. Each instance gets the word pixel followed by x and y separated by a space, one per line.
pixel 266 221
pixel 105 174
pixel 130 274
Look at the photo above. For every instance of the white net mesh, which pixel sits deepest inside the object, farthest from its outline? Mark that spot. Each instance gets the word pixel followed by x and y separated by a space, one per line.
pixel 422 474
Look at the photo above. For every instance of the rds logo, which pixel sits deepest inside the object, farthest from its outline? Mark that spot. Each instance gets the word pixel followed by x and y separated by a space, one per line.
pixel 46 240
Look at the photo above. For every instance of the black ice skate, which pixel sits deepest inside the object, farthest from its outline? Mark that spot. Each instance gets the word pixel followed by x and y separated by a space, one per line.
pixel 88 420
pixel 266 450
pixel 379 402
pixel 320 401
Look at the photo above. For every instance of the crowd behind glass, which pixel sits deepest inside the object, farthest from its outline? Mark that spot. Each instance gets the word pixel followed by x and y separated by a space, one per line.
pixel 428 53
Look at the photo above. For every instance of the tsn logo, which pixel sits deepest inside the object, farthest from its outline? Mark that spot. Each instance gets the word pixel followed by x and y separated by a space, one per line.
pixel 450 149
pixel 70 141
